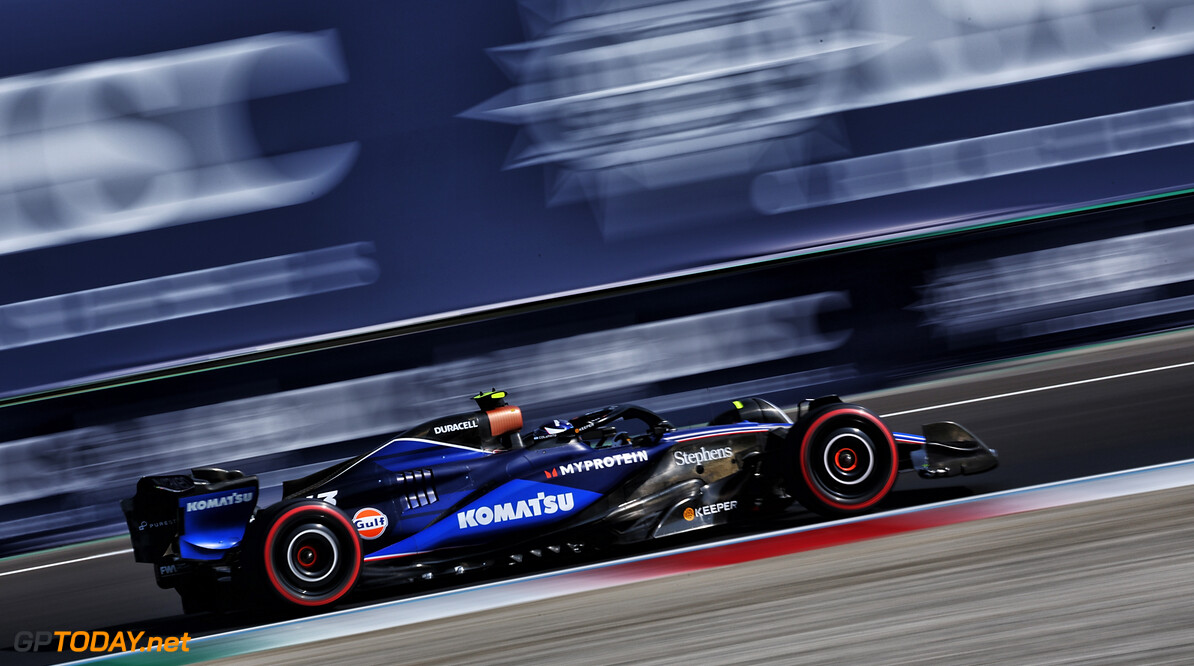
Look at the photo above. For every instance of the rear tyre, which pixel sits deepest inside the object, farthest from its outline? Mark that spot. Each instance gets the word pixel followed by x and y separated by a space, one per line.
pixel 842 460
pixel 306 554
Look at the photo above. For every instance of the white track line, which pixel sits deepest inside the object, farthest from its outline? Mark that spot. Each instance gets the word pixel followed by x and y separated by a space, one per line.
pixel 1038 389
pixel 997 396
pixel 57 564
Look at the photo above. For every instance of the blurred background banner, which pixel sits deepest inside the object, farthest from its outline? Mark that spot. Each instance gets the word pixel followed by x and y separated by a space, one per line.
pixel 188 180
pixel 835 323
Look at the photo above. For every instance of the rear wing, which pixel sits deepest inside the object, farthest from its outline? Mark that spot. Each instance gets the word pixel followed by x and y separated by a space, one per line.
pixel 196 517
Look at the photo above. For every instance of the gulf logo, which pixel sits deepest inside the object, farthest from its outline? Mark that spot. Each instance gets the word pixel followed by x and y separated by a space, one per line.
pixel 370 522
pixel 689 514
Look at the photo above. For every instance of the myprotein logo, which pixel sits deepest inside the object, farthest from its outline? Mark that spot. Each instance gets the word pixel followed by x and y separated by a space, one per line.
pixel 454 427
pixel 370 523
pixel 213 502
pixel 541 505
pixel 692 513
pixel 606 462
pixel 702 455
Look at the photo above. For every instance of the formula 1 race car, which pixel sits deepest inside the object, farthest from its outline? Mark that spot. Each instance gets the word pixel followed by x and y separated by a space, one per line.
pixel 469 490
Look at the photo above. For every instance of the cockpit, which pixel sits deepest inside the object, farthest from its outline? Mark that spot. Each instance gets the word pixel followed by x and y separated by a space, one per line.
pixel 615 425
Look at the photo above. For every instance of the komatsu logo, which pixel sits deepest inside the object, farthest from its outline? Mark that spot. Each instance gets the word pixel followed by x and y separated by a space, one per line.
pixel 701 456
pixel 226 500
pixel 541 505
pixel 598 463
pixel 453 427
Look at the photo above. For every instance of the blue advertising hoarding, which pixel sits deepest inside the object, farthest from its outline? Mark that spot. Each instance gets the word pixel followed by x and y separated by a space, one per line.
pixel 189 180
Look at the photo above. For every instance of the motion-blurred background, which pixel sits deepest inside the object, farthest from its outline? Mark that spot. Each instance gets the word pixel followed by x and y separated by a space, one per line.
pixel 263 235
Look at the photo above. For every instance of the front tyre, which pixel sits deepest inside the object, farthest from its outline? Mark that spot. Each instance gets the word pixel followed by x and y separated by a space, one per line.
pixel 308 554
pixel 842 460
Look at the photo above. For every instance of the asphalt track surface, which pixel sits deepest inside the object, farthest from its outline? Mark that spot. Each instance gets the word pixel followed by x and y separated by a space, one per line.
pixel 1102 583
pixel 1053 417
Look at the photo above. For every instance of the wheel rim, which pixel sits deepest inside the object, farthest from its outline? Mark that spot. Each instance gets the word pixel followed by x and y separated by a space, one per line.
pixel 848 460
pixel 312 555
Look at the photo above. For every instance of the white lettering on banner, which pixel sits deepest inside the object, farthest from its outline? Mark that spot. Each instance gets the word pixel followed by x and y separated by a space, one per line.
pixel 1063 288
pixel 183 150
pixel 186 294
pixel 541 505
pixel 701 456
pixel 976 158
pixel 628 458
pixel 213 502
pixel 619 110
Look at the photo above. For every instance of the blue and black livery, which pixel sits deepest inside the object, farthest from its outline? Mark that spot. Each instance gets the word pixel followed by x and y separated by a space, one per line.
pixel 468 490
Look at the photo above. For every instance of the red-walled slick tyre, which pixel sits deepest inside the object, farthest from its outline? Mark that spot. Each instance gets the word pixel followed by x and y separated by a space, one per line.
pixel 842 460
pixel 306 554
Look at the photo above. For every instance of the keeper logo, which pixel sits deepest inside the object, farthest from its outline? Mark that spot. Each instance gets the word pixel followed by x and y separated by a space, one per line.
pixel 691 513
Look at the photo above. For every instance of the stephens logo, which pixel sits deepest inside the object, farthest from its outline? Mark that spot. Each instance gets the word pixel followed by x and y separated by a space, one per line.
pixel 454 427
pixel 702 456
pixel 541 505
pixel 370 522
pixel 226 500
pixel 615 460
pixel 691 514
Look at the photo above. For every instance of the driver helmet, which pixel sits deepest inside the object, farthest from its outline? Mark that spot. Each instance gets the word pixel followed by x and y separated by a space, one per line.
pixel 551 429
